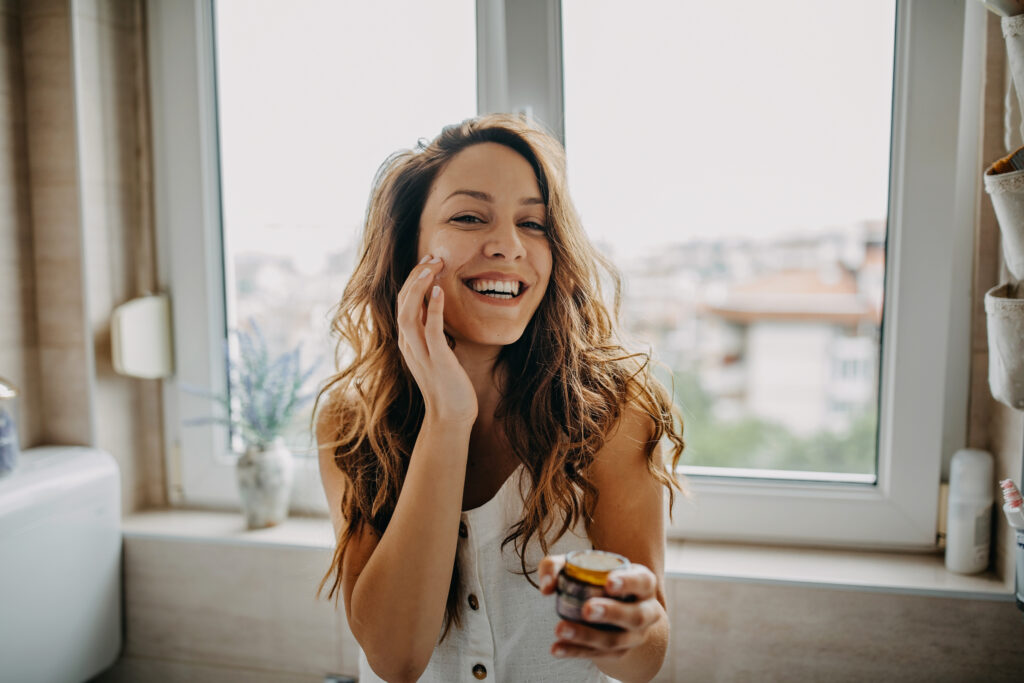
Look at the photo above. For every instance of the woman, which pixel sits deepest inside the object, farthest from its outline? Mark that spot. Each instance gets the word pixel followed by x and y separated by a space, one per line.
pixel 487 423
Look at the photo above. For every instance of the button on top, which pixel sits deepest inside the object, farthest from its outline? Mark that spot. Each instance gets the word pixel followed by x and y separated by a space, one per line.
pixel 480 671
pixel 463 531
pixel 473 602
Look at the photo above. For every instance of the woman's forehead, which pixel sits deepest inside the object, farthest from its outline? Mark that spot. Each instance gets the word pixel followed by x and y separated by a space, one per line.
pixel 486 171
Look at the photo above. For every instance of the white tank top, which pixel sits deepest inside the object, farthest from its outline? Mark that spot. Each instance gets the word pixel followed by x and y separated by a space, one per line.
pixel 508 637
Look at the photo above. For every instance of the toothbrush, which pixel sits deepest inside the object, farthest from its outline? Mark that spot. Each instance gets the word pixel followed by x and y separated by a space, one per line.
pixel 1013 504
pixel 1013 508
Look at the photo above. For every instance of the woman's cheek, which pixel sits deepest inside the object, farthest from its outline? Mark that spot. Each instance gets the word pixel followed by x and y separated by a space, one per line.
pixel 441 250
pixel 445 254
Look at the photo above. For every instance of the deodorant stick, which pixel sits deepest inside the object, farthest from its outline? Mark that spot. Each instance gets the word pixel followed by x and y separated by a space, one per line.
pixel 969 524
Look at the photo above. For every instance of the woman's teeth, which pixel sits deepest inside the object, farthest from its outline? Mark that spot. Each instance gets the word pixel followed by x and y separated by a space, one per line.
pixel 496 289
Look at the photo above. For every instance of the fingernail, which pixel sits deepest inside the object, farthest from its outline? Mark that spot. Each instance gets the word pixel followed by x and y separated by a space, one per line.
pixel 545 582
pixel 424 259
pixel 436 259
pixel 615 583
pixel 567 632
pixel 423 274
pixel 559 652
pixel 596 612
pixel 435 292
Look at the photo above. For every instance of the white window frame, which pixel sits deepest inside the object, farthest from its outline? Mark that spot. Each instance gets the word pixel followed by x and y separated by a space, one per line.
pixel 934 197
pixel 934 194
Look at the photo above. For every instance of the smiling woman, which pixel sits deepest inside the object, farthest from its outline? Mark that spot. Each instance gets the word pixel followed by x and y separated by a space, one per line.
pixel 489 423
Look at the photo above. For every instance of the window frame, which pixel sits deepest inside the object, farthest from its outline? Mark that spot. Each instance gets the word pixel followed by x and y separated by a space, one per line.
pixel 924 374
pixel 926 329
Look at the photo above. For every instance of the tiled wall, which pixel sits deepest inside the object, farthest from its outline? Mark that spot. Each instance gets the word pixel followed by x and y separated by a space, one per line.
pixel 116 224
pixel 65 352
pixel 19 338
pixel 75 228
pixel 734 631
pixel 254 618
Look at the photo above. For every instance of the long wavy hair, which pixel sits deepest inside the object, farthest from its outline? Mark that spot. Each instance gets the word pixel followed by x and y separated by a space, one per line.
pixel 570 378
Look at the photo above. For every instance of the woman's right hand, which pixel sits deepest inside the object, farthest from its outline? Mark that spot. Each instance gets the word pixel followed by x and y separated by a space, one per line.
pixel 448 394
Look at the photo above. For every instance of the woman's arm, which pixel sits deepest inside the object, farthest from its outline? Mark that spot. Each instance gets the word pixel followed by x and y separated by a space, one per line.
pixel 629 520
pixel 395 586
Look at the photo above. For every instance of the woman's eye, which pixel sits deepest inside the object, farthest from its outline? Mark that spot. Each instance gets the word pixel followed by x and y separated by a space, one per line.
pixel 470 219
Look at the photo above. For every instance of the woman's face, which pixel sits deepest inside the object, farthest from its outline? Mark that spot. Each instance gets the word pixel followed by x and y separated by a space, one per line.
pixel 485 217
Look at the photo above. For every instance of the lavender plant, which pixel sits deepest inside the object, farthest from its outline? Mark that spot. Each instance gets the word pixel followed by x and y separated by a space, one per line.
pixel 264 390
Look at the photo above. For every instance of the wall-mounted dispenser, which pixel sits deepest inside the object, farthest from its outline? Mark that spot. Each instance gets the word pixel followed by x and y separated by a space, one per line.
pixel 140 338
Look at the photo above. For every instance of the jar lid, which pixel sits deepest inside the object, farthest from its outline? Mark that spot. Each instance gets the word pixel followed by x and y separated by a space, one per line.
pixel 593 566
pixel 7 390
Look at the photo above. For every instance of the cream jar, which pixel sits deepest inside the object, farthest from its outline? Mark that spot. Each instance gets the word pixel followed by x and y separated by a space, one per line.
pixel 584 577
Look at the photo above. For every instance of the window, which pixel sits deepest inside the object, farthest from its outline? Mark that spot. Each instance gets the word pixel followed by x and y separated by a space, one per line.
pixel 298 85
pixel 773 335
pixel 292 205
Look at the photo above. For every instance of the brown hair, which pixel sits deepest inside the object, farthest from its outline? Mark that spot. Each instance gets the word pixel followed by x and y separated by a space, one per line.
pixel 570 377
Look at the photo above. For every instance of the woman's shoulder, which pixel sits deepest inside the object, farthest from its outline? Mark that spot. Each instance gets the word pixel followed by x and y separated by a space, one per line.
pixel 334 409
pixel 627 448
pixel 630 447
pixel 634 429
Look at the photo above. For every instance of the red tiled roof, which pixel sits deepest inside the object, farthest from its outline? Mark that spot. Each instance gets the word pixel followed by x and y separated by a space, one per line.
pixel 796 295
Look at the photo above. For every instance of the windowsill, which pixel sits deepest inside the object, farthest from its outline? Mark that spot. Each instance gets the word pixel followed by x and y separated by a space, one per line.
pixel 904 573
pixel 885 572
pixel 227 528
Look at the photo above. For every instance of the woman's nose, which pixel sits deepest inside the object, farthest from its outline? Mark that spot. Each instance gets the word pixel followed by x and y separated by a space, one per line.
pixel 504 241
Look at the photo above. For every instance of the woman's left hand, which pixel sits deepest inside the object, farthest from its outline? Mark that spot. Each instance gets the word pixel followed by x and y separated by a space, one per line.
pixel 579 640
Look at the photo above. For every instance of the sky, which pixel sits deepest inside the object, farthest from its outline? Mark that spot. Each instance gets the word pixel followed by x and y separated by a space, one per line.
pixel 683 119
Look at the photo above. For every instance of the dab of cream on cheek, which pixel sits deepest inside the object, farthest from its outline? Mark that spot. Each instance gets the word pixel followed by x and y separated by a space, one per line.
pixel 442 252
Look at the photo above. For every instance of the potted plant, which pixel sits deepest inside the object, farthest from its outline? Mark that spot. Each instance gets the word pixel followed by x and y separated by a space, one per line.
pixel 264 393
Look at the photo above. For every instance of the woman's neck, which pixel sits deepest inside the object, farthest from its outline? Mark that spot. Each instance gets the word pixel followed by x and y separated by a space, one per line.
pixel 480 363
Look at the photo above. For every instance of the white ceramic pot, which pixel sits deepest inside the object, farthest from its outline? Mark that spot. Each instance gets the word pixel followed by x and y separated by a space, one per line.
pixel 1007 192
pixel 1004 310
pixel 265 484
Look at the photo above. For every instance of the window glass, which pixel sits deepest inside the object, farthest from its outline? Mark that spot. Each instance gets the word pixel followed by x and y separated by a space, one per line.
pixel 733 159
pixel 312 95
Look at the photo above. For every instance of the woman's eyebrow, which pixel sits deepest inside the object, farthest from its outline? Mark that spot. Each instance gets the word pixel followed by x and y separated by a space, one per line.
pixel 483 196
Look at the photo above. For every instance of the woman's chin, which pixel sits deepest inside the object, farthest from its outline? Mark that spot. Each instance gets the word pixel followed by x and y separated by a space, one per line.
pixel 491 338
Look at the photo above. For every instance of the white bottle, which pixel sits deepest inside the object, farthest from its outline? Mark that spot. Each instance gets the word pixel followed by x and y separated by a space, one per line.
pixel 969 522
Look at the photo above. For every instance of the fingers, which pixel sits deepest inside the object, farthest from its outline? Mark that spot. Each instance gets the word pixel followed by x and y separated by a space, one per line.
pixel 434 328
pixel 563 649
pixel 547 572
pixel 580 640
pixel 416 284
pixel 632 616
pixel 411 339
pixel 636 580
pixel 635 610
